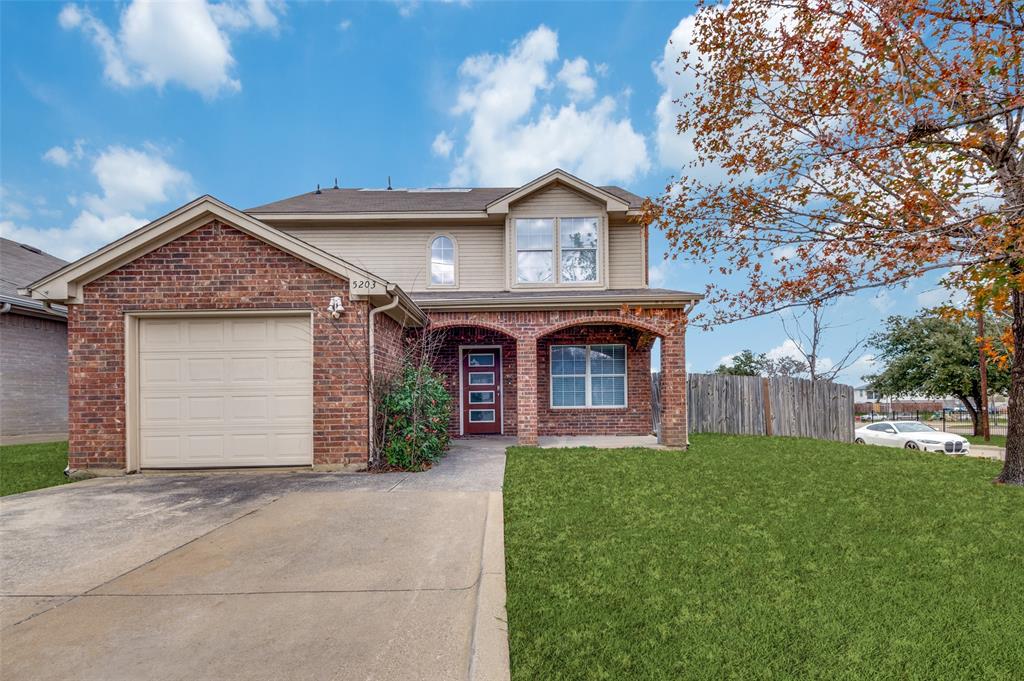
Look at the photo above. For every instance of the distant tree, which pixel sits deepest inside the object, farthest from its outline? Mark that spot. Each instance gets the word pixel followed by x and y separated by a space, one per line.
pixel 934 356
pixel 807 330
pixel 864 143
pixel 785 367
pixel 746 363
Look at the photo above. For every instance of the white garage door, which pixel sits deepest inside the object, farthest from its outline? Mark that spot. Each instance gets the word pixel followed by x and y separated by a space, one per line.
pixel 225 391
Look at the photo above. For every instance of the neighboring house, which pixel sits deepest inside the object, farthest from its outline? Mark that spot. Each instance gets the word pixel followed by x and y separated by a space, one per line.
pixel 216 337
pixel 867 400
pixel 33 351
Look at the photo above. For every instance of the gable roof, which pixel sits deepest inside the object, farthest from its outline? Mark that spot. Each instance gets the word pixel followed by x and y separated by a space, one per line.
pixel 21 264
pixel 473 202
pixel 65 285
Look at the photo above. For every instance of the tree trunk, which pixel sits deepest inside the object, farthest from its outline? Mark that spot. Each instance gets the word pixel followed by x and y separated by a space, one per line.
pixel 973 413
pixel 1013 468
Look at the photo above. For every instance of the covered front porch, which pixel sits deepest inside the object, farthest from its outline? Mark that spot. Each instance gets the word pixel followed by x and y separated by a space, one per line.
pixel 562 378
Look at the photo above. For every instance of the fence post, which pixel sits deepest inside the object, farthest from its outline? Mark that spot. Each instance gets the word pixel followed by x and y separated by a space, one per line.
pixel 767 398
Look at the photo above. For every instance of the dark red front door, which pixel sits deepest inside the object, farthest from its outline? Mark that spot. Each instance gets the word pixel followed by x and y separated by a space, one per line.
pixel 481 391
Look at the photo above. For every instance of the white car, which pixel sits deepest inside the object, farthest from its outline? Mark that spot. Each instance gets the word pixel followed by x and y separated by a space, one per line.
pixel 911 435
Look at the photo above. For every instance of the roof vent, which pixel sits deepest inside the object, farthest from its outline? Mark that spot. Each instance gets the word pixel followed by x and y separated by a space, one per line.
pixel 317 189
pixel 389 183
pixel 31 249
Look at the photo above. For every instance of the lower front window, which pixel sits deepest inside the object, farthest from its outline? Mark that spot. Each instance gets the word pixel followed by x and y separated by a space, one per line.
pixel 588 375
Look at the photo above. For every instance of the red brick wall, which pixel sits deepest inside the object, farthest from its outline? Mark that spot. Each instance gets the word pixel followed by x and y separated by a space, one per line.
pixel 214 267
pixel 388 345
pixel 532 333
pixel 634 419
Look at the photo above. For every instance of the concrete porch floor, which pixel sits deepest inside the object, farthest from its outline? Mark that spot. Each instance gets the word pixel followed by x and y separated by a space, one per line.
pixel 601 441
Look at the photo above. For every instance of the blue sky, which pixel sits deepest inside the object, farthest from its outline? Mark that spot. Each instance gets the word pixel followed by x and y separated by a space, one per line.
pixel 115 113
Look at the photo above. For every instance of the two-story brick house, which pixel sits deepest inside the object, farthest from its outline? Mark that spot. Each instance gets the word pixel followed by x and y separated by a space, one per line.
pixel 214 337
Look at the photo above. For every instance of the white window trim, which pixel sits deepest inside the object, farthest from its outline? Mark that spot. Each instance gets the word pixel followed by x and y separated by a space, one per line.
pixel 587 375
pixel 430 261
pixel 556 253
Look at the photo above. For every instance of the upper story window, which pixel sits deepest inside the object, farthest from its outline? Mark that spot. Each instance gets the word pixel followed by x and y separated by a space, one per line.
pixel 578 243
pixel 575 240
pixel 535 243
pixel 442 261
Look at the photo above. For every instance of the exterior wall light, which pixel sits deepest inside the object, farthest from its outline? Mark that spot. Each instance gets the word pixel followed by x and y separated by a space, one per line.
pixel 335 307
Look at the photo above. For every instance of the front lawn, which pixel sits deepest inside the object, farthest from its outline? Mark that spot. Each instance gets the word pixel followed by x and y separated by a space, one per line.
pixel 996 441
pixel 766 558
pixel 27 467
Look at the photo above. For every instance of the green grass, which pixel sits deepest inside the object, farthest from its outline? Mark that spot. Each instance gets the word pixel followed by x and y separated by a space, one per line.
pixel 996 441
pixel 762 558
pixel 27 467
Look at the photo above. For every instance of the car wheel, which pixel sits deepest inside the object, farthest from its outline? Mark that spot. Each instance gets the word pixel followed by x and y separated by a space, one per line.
pixel 912 445
pixel 859 441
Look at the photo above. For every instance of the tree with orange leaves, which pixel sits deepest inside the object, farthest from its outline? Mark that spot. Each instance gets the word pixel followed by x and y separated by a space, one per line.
pixel 864 143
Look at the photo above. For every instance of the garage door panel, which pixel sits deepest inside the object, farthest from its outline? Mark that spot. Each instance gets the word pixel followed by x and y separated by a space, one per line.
pixel 292 332
pixel 156 369
pixel 292 368
pixel 214 403
pixel 249 369
pixel 249 332
pixel 158 333
pixel 208 332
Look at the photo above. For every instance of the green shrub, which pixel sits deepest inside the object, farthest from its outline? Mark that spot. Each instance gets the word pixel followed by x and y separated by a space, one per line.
pixel 413 411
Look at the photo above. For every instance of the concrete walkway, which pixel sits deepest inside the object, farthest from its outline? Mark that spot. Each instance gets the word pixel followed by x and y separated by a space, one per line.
pixel 259 576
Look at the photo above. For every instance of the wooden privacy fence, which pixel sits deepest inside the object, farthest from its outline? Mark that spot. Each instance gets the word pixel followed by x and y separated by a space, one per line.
pixel 751 405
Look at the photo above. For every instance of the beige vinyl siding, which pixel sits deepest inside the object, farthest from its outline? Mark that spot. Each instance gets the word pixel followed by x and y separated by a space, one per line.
pixel 558 201
pixel 400 254
pixel 626 256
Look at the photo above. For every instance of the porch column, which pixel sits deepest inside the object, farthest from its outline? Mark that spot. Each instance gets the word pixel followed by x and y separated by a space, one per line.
pixel 673 432
pixel 526 390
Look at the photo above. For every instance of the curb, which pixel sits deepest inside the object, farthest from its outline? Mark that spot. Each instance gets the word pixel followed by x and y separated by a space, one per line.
pixel 489 659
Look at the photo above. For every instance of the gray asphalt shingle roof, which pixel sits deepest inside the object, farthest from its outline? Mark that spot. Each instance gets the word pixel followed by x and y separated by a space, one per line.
pixel 439 200
pixel 20 266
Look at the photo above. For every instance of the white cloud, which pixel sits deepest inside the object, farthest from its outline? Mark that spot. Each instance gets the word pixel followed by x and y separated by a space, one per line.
pixel 855 373
pixel 241 16
pixel 442 145
pixel 182 42
pixel 940 296
pixel 882 301
pixel 658 274
pixel 406 8
pixel 674 150
pixel 574 75
pixel 344 24
pixel 601 69
pixel 131 181
pixel 513 137
pixel 59 156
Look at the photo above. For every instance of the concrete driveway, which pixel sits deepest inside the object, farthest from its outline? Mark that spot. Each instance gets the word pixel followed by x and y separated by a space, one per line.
pixel 259 576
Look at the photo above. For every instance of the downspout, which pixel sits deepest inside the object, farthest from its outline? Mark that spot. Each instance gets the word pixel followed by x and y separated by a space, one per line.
pixel 369 388
pixel 5 308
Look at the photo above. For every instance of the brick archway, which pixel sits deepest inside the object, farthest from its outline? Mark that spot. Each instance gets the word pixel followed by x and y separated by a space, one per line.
pixel 609 320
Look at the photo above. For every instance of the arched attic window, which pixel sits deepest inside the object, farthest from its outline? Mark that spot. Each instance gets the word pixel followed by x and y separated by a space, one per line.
pixel 442 261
